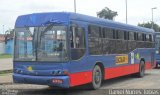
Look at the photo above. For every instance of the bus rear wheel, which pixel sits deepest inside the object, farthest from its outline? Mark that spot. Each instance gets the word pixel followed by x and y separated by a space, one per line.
pixel 141 69
pixel 96 77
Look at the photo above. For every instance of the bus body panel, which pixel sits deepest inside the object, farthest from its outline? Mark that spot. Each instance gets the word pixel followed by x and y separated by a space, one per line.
pixel 157 45
pixel 42 80
pixel 80 71
pixel 158 59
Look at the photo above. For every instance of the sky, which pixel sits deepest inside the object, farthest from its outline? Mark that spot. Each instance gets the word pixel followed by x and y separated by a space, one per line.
pixel 139 11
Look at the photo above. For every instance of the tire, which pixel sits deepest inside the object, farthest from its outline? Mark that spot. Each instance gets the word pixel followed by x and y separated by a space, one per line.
pixel 96 77
pixel 141 69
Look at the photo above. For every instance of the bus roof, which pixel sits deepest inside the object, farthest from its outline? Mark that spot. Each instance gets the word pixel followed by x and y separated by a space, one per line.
pixel 157 32
pixel 38 19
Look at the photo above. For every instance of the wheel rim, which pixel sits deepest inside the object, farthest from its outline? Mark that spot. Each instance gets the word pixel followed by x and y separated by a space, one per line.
pixel 97 77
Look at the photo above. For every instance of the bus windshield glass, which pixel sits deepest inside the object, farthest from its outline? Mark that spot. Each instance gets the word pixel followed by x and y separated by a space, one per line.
pixel 41 44
pixel 52 44
pixel 24 41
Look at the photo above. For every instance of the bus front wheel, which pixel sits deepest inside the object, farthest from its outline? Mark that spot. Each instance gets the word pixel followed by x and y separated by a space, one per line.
pixel 96 77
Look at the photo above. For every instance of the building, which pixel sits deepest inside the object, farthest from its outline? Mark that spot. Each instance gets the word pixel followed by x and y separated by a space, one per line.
pixel 2 44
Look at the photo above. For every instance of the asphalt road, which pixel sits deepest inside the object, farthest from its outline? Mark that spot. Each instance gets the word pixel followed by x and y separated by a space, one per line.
pixel 150 81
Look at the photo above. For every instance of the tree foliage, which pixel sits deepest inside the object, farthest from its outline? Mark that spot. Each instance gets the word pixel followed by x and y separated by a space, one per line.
pixel 9 34
pixel 156 27
pixel 106 13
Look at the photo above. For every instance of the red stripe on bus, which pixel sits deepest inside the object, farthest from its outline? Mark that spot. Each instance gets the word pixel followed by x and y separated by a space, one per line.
pixel 124 70
pixel 80 78
pixel 148 65
pixel 119 71
pixel 86 77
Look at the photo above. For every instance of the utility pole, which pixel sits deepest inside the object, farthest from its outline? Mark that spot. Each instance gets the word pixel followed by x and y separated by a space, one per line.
pixel 75 6
pixel 126 12
pixel 3 29
pixel 152 15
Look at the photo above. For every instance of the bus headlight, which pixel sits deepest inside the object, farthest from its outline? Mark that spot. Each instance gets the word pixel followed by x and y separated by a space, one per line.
pixel 60 72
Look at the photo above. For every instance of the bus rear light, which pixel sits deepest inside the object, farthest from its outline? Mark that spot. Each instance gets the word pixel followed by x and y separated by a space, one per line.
pixel 57 81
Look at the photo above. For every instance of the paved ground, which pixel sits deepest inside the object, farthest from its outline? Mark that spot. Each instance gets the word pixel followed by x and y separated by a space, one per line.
pixel 150 81
pixel 6 64
pixel 6 79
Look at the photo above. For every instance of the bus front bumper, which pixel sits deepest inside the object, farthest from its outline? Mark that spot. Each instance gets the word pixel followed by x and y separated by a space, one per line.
pixel 57 81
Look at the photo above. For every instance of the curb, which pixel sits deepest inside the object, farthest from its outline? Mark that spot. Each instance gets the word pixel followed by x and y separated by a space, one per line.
pixel 7 83
pixel 6 71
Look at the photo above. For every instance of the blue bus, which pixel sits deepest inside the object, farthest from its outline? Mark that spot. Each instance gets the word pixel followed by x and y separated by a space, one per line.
pixel 71 49
pixel 157 46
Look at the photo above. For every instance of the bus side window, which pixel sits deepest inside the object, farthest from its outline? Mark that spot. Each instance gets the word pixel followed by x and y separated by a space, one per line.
pixel 147 37
pixel 109 33
pixel 121 34
pixel 139 36
pixel 77 37
pixel 144 37
pixel 125 35
pixel 114 34
pixel 72 35
pixel 132 36
pixel 150 37
pixel 77 41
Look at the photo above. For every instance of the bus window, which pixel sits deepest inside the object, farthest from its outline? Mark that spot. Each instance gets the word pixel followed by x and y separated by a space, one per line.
pixel 109 33
pixel 132 36
pixel 147 37
pixel 117 36
pixel 103 33
pixel 114 34
pixel 77 41
pixel 94 31
pixel 121 35
pixel 144 37
pixel 150 37
pixel 139 36
pixel 126 35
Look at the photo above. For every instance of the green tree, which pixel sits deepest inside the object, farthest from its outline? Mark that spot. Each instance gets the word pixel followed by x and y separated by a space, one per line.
pixel 156 27
pixel 9 34
pixel 106 13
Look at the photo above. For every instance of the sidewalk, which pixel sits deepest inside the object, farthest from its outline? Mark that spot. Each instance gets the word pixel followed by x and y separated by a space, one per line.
pixel 5 79
pixel 6 64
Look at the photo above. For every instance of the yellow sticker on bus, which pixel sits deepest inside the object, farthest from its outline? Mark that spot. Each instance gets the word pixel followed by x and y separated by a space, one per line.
pixel 122 59
pixel 30 68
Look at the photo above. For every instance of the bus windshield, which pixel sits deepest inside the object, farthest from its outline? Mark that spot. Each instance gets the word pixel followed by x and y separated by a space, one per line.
pixel 41 44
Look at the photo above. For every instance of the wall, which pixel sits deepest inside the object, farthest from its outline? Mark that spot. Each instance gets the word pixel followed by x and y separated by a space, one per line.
pixel 9 47
pixel 2 47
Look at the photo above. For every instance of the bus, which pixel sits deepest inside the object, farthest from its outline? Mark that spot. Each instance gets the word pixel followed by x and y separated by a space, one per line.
pixel 63 49
pixel 157 46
